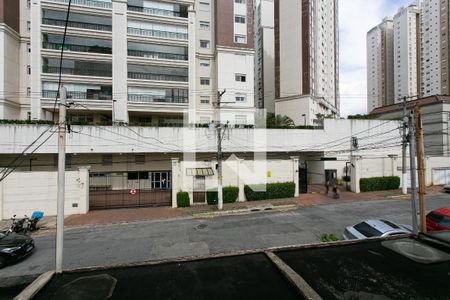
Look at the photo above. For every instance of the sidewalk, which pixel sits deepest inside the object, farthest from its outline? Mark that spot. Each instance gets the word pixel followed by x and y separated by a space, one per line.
pixel 315 196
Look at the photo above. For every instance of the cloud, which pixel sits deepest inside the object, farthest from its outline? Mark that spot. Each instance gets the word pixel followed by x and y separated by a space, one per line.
pixel 356 17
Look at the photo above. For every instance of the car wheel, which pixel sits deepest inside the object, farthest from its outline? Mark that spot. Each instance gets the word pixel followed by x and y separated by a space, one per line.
pixel 2 262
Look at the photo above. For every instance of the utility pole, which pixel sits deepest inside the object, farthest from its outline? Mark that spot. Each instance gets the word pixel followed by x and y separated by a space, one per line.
pixel 412 157
pixel 404 145
pixel 219 153
pixel 61 178
pixel 421 167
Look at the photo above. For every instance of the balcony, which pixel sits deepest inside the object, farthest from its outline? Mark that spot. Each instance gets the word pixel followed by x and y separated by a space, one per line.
pixel 157 99
pixel 82 25
pixel 91 3
pixel 97 95
pixel 158 33
pixel 159 77
pixel 157 55
pixel 157 11
pixel 79 72
pixel 77 48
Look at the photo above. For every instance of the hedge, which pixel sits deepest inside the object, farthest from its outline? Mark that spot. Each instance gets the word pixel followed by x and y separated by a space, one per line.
pixel 230 195
pixel 272 191
pixel 379 183
pixel 183 199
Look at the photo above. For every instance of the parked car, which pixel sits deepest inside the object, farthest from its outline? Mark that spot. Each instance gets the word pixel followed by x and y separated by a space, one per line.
pixel 13 247
pixel 446 188
pixel 375 228
pixel 438 219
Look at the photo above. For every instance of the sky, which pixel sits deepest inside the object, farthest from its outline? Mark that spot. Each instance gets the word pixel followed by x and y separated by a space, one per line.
pixel 356 17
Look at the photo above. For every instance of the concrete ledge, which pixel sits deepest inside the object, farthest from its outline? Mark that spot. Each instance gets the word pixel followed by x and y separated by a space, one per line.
pixel 30 291
pixel 302 286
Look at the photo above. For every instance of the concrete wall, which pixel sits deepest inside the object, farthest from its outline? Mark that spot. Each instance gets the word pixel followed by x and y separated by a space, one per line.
pixel 21 193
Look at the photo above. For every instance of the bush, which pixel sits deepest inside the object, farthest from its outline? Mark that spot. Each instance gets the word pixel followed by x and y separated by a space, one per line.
pixel 329 237
pixel 230 195
pixel 379 183
pixel 183 199
pixel 273 191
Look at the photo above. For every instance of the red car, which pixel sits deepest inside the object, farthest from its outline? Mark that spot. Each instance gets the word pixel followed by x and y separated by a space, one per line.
pixel 439 219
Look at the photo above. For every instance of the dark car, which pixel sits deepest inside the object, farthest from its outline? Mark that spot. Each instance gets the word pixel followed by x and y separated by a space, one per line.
pixel 14 246
pixel 438 219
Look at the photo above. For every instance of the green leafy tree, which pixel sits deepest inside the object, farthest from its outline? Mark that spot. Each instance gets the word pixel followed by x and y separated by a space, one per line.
pixel 279 121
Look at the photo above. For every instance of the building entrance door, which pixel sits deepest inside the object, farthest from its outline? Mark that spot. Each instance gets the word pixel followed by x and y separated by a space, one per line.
pixel 199 194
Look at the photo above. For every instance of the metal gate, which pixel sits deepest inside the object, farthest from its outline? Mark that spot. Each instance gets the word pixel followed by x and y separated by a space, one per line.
pixel 303 179
pixel 109 190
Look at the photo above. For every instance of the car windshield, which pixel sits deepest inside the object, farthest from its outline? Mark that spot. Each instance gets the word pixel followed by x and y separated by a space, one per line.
pixel 445 221
pixel 367 230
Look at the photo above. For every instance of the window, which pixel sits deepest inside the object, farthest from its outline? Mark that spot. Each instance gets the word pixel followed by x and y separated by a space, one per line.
pixel 28 3
pixel 367 230
pixel 240 39
pixel 204 81
pixel 204 63
pixel 139 159
pixel 28 69
pixel 204 44
pixel 28 47
pixel 160 180
pixel 239 19
pixel 28 91
pixel 107 159
pixel 239 1
pixel 204 25
pixel 241 98
pixel 241 77
pixel 204 99
pixel 28 25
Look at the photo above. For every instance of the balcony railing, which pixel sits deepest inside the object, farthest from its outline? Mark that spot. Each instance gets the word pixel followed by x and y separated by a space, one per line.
pixel 81 72
pixel 157 55
pixel 77 95
pixel 161 77
pixel 156 11
pixel 77 48
pixel 158 33
pixel 82 25
pixel 92 3
pixel 156 99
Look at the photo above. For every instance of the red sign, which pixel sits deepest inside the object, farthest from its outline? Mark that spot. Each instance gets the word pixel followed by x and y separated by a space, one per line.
pixel 133 191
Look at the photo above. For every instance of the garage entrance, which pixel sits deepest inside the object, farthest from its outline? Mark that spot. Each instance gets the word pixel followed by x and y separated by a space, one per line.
pixel 441 176
pixel 109 190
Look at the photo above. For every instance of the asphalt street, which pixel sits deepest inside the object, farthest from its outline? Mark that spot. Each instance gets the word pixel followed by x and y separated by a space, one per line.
pixel 150 240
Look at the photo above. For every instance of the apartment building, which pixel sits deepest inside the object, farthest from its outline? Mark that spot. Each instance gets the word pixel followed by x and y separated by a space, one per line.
pixel 10 42
pixel 380 65
pixel 306 59
pixel 407 53
pixel 265 55
pixel 135 61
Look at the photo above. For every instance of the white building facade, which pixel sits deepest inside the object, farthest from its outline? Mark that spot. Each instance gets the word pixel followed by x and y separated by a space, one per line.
pixel 306 60
pixel 136 61
pixel 380 66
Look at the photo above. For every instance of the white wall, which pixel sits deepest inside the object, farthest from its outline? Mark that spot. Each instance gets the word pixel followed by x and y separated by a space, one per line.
pixel 21 193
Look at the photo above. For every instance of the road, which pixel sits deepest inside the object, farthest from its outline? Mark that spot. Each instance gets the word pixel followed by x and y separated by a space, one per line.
pixel 149 240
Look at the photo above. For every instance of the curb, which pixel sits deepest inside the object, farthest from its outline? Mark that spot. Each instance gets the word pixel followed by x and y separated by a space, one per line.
pixel 244 211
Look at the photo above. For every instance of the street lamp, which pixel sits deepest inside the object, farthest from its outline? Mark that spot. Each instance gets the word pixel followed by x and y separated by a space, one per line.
pixel 304 116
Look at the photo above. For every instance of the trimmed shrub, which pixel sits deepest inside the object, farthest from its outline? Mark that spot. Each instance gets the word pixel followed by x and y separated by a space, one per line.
pixel 230 195
pixel 183 199
pixel 329 237
pixel 273 191
pixel 379 183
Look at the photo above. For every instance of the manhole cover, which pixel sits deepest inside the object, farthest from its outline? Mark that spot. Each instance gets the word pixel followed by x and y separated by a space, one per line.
pixel 202 226
pixel 97 287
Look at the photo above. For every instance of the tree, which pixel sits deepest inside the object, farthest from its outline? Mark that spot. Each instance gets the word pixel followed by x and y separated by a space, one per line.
pixel 279 121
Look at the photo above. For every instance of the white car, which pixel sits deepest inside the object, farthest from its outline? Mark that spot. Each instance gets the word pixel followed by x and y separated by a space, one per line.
pixel 447 188
pixel 375 228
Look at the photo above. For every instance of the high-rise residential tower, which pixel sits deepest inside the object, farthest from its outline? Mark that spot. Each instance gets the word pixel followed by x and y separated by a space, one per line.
pixel 406 53
pixel 265 55
pixel 137 61
pixel 306 59
pixel 380 65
